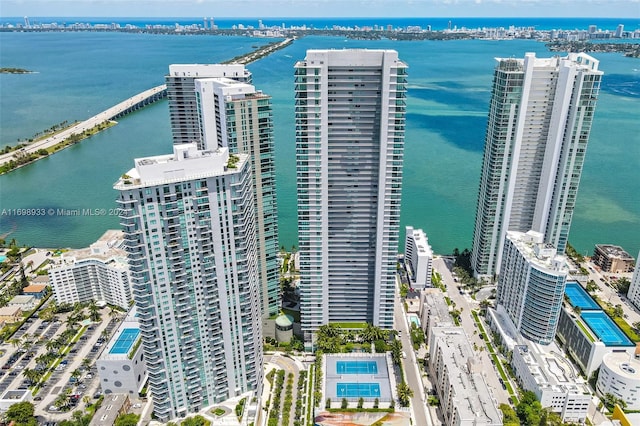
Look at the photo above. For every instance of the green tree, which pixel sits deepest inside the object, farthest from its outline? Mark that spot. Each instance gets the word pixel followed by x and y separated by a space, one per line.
pixel 618 311
pixel 405 393
pixel 622 284
pixel 529 409
pixel 22 414
pixel 128 420
pixel 94 311
pixel 509 416
pixel 396 351
pixel 372 333
pixel 196 421
pixel 345 403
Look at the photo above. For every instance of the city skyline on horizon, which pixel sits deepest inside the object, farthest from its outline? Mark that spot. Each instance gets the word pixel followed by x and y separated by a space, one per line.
pixel 338 8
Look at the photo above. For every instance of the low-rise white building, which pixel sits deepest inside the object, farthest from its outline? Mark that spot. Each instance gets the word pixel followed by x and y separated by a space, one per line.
pixel 620 376
pixel 418 258
pixel 434 311
pixel 121 365
pixel 464 396
pixel 99 272
pixel 544 371
pixel 15 396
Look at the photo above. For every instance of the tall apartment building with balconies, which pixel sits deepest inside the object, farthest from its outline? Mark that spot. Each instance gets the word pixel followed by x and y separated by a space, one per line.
pixel 237 116
pixel 540 117
pixel 189 225
pixel 183 105
pixel 350 120
pixel 99 272
pixel 214 105
pixel 531 285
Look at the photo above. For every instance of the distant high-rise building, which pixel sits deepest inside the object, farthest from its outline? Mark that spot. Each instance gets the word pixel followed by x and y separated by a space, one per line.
pixel 619 30
pixel 540 118
pixel 350 119
pixel 189 223
pixel 531 285
pixel 418 257
pixel 237 116
pixel 183 106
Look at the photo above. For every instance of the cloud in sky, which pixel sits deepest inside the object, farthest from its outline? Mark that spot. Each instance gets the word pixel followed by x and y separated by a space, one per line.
pixel 322 8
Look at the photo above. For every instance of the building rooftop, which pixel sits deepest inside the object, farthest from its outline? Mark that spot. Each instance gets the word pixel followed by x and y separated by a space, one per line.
pixel 432 299
pixel 614 251
pixel 539 254
pixel 10 311
pixel 124 339
pixel 420 240
pixel 34 288
pixel 207 70
pixel 23 299
pixel 471 394
pixel 109 410
pixel 109 249
pixel 186 163
pixel 551 369
pixel 623 364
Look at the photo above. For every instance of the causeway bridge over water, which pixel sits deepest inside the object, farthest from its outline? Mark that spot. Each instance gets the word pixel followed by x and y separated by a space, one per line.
pixel 125 107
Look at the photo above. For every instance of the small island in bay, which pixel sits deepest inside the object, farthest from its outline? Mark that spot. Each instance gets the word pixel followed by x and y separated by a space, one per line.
pixel 14 71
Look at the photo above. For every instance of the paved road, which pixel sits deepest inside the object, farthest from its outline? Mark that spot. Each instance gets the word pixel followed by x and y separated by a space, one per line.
pixel 411 370
pixel 84 125
pixel 466 305
pixel 609 294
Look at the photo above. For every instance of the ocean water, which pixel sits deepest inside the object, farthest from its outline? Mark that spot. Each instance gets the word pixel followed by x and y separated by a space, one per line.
pixel 449 89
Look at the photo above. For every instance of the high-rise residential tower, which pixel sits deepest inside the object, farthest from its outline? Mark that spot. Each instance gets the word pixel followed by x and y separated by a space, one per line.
pixel 540 118
pixel 215 105
pixel 183 106
pixel 531 285
pixel 237 116
pixel 418 257
pixel 189 225
pixel 350 118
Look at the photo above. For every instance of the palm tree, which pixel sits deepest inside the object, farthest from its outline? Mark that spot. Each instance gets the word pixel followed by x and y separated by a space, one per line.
pixel 15 342
pixel 396 351
pixel 76 374
pixel 329 330
pixel 372 333
pixel 405 393
pixel 94 311
pixel 86 363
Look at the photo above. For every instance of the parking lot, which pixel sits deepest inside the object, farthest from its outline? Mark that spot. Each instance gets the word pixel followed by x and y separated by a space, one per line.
pixel 73 374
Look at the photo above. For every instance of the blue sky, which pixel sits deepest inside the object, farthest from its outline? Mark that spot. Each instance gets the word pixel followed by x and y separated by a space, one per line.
pixel 322 8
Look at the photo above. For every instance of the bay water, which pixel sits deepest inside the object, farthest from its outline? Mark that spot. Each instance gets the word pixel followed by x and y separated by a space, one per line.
pixel 80 74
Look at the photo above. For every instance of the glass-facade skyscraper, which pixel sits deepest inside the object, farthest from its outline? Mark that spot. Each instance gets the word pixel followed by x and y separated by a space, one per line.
pixel 540 118
pixel 189 225
pixel 350 125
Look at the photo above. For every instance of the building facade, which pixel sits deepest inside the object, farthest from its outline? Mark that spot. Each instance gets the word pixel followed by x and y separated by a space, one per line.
pixel 612 258
pixel 189 225
pixel 634 288
pixel 540 117
pixel 531 285
pixel 99 273
pixel 418 257
pixel 237 116
pixel 350 119
pixel 554 381
pixel 121 364
pixel 620 376
pixel 181 93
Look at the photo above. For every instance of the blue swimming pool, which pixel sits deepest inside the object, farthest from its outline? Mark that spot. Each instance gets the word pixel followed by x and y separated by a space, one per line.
pixel 358 390
pixel 605 329
pixel 579 298
pixel 3 258
pixel 356 367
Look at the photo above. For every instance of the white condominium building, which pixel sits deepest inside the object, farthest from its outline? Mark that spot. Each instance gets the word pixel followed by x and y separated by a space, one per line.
pixel 237 116
pixel 189 223
pixel 457 374
pixel 544 371
pixel 99 273
pixel 418 258
pixel 183 106
pixel 350 122
pixel 540 118
pixel 634 288
pixel 531 285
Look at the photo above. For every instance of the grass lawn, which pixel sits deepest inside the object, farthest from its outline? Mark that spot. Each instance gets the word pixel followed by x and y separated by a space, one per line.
pixel 585 331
